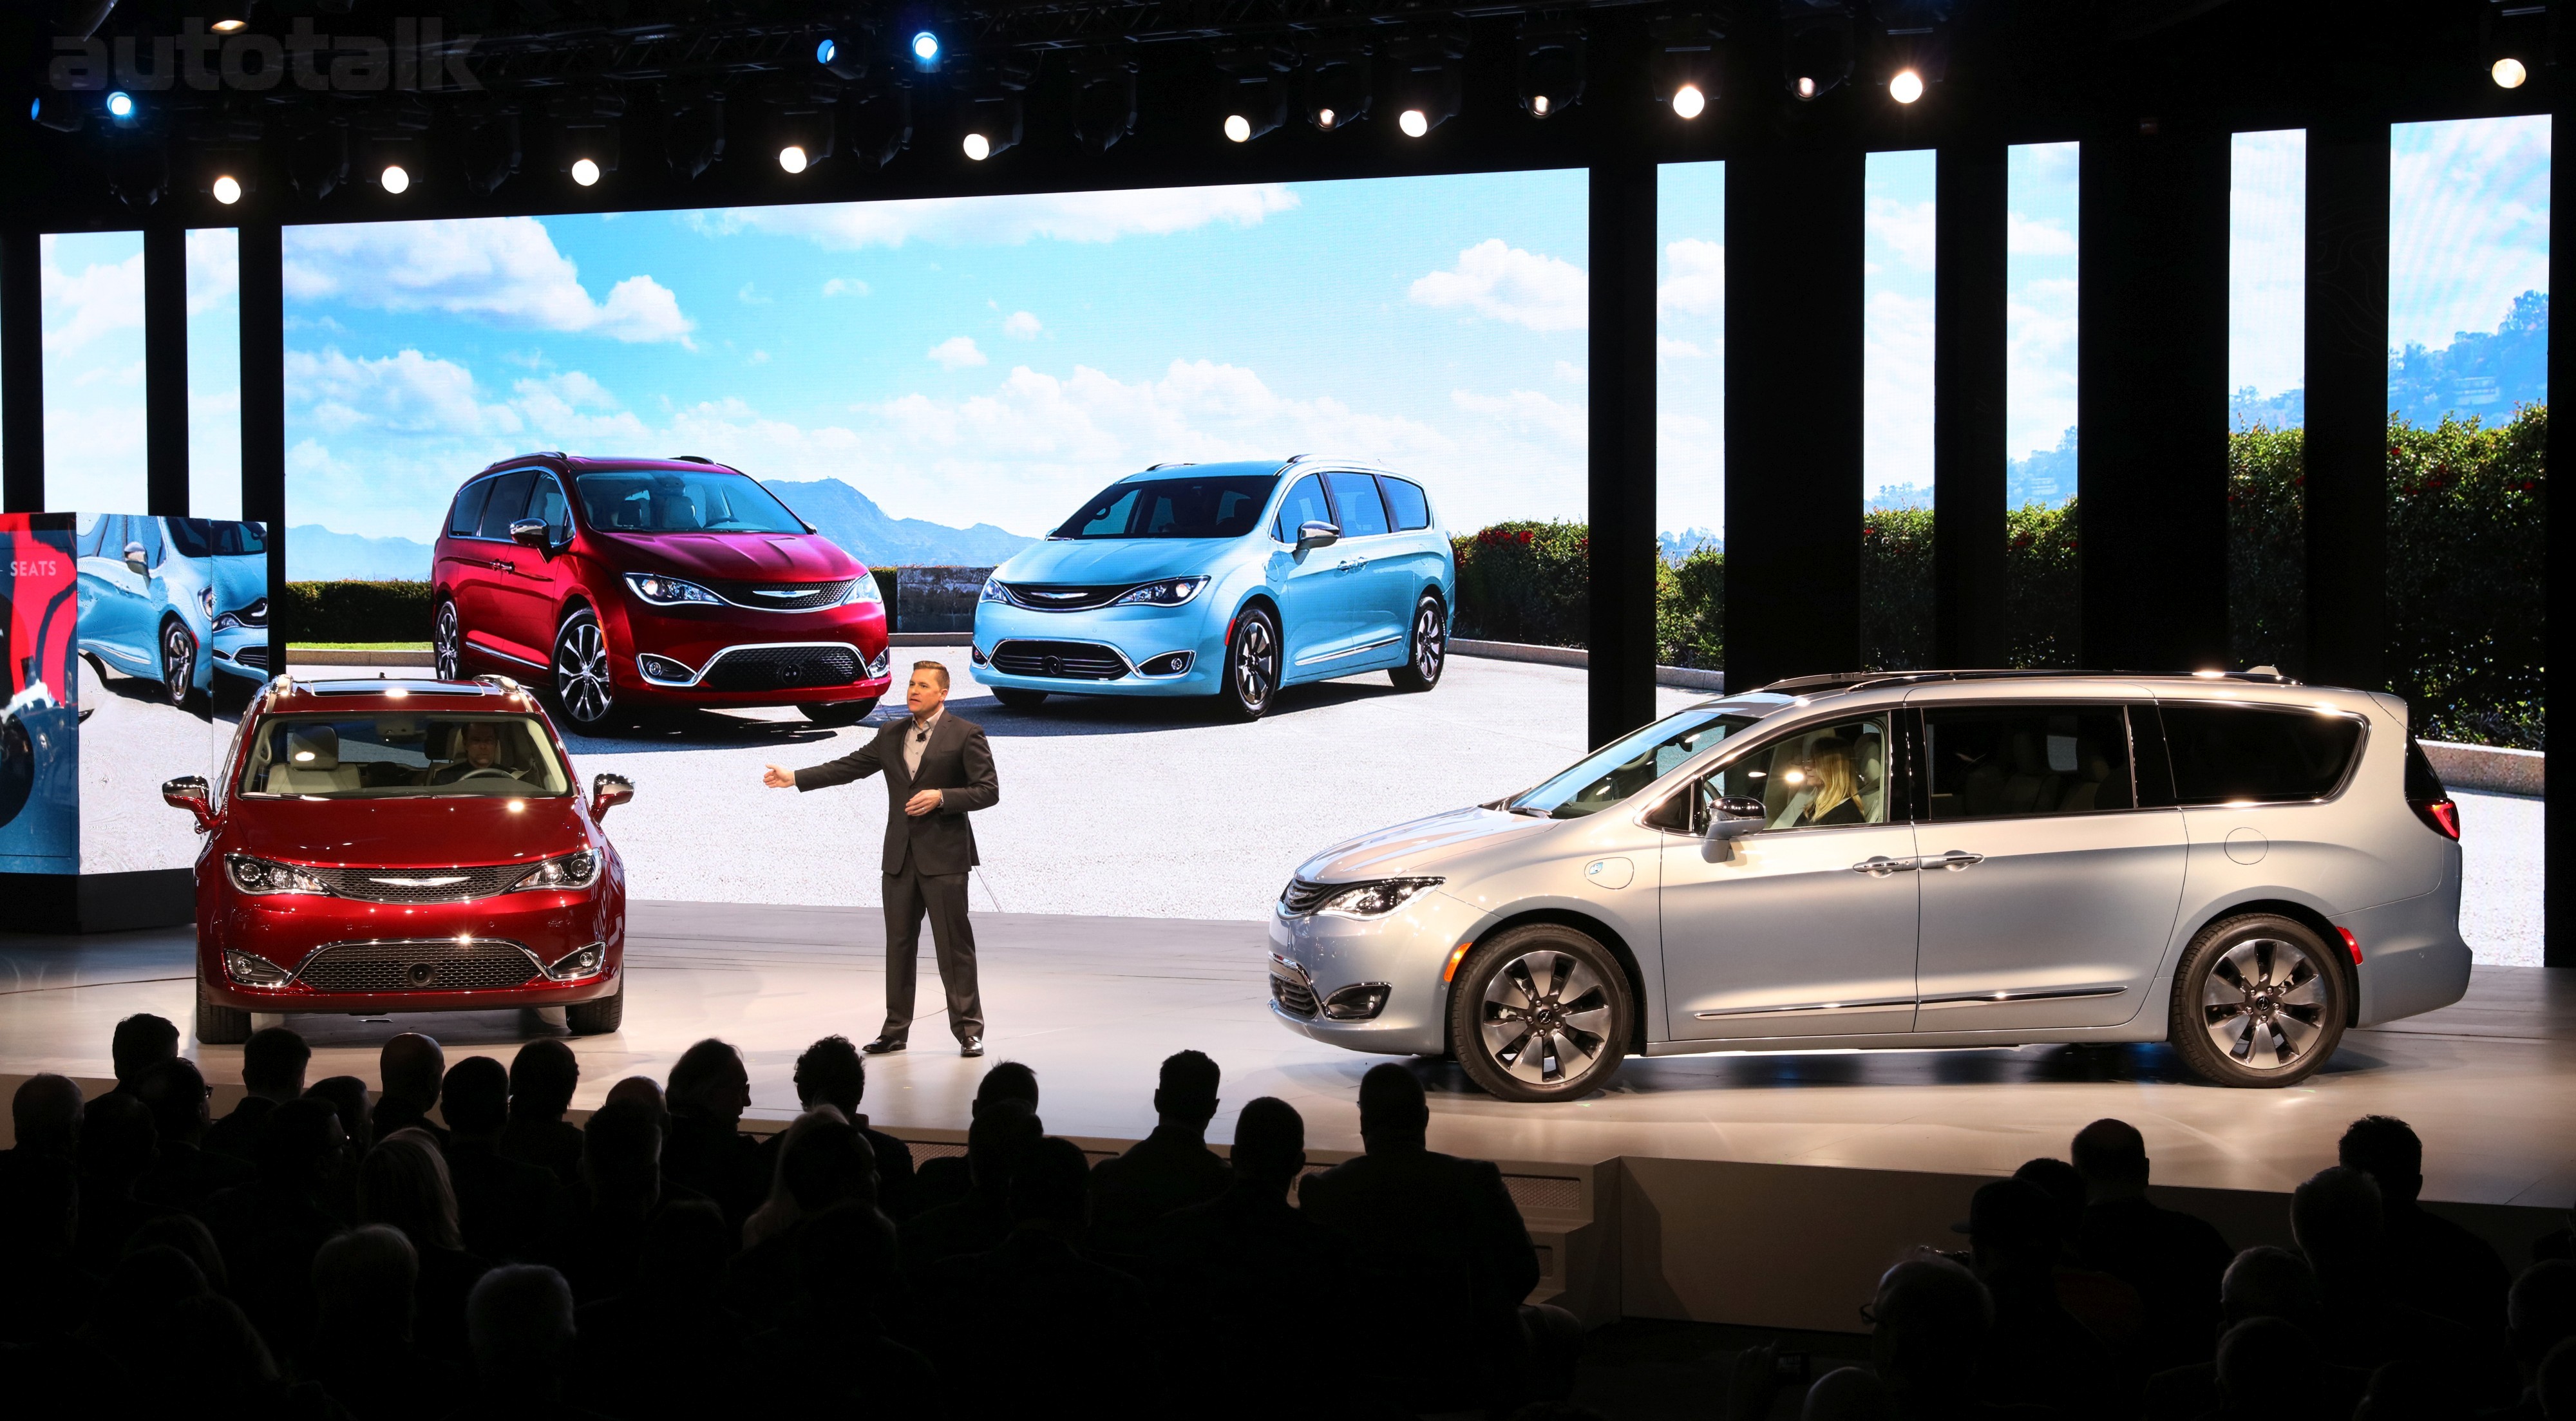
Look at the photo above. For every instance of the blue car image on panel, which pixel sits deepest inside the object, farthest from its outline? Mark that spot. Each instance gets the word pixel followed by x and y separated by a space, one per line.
pixel 1228 581
pixel 174 600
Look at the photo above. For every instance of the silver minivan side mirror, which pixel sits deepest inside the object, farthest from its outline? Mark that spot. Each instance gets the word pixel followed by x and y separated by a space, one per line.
pixel 1317 531
pixel 1736 816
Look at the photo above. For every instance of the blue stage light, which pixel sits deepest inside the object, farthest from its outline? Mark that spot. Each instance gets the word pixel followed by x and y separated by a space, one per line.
pixel 823 52
pixel 120 104
pixel 925 50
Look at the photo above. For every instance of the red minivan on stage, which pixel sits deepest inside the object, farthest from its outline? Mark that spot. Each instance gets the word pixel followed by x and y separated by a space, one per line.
pixel 625 582
pixel 403 846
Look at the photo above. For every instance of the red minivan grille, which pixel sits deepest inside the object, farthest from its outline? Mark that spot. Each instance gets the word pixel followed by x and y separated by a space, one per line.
pixel 783 596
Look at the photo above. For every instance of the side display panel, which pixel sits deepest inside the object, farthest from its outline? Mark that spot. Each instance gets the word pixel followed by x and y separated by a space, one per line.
pixel 39 756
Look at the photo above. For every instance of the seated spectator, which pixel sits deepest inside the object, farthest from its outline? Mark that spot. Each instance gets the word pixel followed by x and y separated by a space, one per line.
pixel 1927 1331
pixel 2540 1314
pixel 225 1371
pixel 2432 1263
pixel 1437 1253
pixel 1848 1394
pixel 2172 1259
pixel 141 1042
pixel 2036 1353
pixel 186 1174
pixel 273 1063
pixel 1003 1131
pixel 2335 1216
pixel 622 1189
pixel 2109 1308
pixel 845 1283
pixel 824 1164
pixel 833 1073
pixel 1235 1274
pixel 520 1323
pixel 2557 1383
pixel 2268 1368
pixel 271 1228
pixel 403 1182
pixel 1061 1310
pixel 1169 1169
pixel 45 1120
pixel 139 1306
pixel 502 1205
pixel 542 1079
pixel 411 1068
pixel 348 1098
pixel 706 1149
pixel 190 1236
pixel 944 1179
pixel 667 1347
pixel 117 1148
pixel 361 1352
pixel 2263 1282
pixel 44 1294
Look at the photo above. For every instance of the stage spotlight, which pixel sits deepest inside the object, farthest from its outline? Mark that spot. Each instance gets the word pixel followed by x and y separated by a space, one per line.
pixel 925 52
pixel 1339 78
pixel 2508 73
pixel 1551 70
pixel 228 189
pixel 878 121
pixel 1815 46
pixel 1254 80
pixel 587 133
pixel 802 124
pixel 2514 38
pixel 1906 87
pixel 394 179
pixel 487 149
pixel 57 112
pixel 693 136
pixel 843 57
pixel 317 160
pixel 1909 44
pixel 792 158
pixel 978 147
pixel 1238 129
pixel 585 172
pixel 120 105
pixel 228 17
pixel 1104 99
pixel 1425 79
pixel 1683 50
pixel 138 171
pixel 992 108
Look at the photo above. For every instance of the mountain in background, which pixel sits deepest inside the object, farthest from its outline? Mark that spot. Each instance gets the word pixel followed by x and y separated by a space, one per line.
pixel 2044 476
pixel 1677 546
pixel 317 554
pixel 853 520
pixel 2482 373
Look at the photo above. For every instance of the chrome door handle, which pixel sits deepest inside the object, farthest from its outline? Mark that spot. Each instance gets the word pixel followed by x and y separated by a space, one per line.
pixel 1954 860
pixel 1880 866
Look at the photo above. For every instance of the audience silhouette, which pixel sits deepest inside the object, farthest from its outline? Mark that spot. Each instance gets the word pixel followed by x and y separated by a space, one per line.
pixel 465 1249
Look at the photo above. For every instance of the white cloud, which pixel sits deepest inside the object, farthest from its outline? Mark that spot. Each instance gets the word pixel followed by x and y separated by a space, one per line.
pixel 845 286
pixel 750 295
pixel 84 305
pixel 1667 348
pixel 1007 221
pixel 757 357
pixel 407 393
pixel 2267 261
pixel 1528 412
pixel 1504 283
pixel 2470 229
pixel 1896 390
pixel 957 353
pixel 2026 237
pixel 1694 279
pixel 1906 227
pixel 214 267
pixel 504 271
pixel 1021 326
pixel 1572 373
pixel 2039 365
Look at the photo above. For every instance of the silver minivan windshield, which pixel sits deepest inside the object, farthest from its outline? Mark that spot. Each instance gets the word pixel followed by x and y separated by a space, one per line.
pixel 1636 760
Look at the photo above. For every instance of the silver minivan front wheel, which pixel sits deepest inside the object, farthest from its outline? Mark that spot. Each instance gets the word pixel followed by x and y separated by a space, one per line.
pixel 1541 1012
pixel 2258 1002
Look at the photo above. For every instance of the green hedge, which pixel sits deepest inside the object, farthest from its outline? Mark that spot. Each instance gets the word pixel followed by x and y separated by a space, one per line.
pixel 356 611
pixel 1525 582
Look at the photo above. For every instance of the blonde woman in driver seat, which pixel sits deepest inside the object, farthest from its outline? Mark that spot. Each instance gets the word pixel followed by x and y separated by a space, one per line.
pixel 1836 797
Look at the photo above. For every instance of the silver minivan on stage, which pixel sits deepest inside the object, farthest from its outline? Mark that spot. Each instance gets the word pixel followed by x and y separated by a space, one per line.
pixel 2236 863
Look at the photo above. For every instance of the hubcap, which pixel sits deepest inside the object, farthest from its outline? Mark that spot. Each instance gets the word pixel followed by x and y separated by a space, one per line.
pixel 178 662
pixel 2264 1003
pixel 1546 1017
pixel 581 672
pixel 450 661
pixel 1429 642
pixel 1256 663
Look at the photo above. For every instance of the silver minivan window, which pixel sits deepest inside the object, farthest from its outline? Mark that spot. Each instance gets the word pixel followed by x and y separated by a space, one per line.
pixel 1818 777
pixel 1632 762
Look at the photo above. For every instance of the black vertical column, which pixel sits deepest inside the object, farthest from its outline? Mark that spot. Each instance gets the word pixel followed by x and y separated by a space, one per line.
pixel 1621 497
pixel 2346 442
pixel 2151 371
pixel 165 369
pixel 2558 906
pixel 22 372
pixel 263 412
pixel 1793 413
pixel 1970 623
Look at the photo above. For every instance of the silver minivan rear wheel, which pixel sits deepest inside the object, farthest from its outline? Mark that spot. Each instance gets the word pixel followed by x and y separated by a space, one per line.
pixel 1540 1012
pixel 2258 1001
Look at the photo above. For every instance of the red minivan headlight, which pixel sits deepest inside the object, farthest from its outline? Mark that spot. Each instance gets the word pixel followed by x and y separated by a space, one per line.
pixel 572 871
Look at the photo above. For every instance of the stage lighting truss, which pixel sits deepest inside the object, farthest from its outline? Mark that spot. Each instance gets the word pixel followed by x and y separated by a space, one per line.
pixel 1683 49
pixel 1338 83
pixel 392 141
pixel 693 128
pixel 1815 46
pixel 802 123
pixel 1253 82
pixel 1551 68
pixel 317 158
pixel 586 133
pixel 876 120
pixel 2516 38
pixel 1910 49
pixel 1104 98
pixel 63 113
pixel 487 146
pixel 990 100
pixel 1426 77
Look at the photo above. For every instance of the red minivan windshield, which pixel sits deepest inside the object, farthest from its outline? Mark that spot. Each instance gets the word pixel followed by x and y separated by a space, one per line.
pixel 397 755
pixel 670 501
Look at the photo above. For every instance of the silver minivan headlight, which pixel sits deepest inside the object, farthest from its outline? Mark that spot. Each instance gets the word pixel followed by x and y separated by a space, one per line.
pixel 1375 899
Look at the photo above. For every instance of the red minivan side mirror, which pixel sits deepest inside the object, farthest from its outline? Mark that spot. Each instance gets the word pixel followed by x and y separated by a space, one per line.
pixel 191 793
pixel 607 792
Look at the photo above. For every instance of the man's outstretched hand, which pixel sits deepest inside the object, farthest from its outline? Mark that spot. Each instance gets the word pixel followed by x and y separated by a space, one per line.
pixel 923 802
pixel 777 778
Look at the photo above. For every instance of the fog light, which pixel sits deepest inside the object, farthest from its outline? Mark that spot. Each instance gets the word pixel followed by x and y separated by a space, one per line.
pixel 663 668
pixel 881 663
pixel 576 965
pixel 976 655
pixel 1360 1003
pixel 1172 664
pixel 252 970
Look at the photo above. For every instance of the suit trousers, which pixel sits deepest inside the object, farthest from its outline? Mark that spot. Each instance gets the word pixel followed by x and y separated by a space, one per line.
pixel 908 894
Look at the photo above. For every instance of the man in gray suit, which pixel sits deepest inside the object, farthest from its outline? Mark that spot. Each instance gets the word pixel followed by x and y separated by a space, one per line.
pixel 937 768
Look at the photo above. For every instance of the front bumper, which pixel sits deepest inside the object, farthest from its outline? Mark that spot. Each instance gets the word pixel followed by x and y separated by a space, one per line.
pixel 298 932
pixel 1407 950
pixel 242 651
pixel 1137 635
pixel 695 646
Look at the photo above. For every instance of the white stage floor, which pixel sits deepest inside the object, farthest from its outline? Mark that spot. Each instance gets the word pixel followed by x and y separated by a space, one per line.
pixel 1095 1003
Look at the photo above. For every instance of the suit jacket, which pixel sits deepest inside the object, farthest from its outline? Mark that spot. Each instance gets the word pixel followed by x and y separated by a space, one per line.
pixel 957 762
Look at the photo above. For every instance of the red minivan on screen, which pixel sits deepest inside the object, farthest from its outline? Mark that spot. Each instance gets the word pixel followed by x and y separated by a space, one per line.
pixel 629 582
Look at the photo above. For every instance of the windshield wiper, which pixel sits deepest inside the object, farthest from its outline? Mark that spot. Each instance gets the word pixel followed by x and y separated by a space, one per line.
pixel 1532 810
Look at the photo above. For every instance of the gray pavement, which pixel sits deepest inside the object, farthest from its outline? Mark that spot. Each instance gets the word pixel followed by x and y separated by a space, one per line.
pixel 131 740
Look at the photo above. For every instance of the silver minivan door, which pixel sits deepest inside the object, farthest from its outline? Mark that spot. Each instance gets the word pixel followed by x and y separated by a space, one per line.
pixel 2048 893
pixel 1805 925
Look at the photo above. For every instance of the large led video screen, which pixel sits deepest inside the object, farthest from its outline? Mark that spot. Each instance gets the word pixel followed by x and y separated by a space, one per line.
pixel 946 391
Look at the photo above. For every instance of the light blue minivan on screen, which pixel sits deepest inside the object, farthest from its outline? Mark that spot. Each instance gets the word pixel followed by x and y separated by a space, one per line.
pixel 174 600
pixel 1224 580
